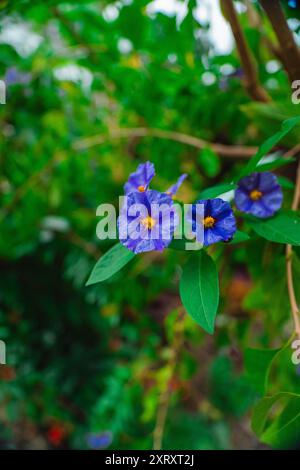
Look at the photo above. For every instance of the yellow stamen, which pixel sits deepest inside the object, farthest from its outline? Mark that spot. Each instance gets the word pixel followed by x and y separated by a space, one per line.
pixel 172 196
pixel 148 222
pixel 209 222
pixel 142 189
pixel 255 195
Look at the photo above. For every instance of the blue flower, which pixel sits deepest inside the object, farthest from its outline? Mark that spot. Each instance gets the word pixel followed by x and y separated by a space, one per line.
pixel 140 179
pixel 259 194
pixel 147 221
pixel 225 80
pixel 212 221
pixel 174 188
pixel 99 441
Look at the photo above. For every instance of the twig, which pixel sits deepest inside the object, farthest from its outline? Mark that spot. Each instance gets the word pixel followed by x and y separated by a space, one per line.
pixel 292 152
pixel 228 151
pixel 255 22
pixel 253 16
pixel 166 392
pixel 290 50
pixel 252 85
pixel 289 266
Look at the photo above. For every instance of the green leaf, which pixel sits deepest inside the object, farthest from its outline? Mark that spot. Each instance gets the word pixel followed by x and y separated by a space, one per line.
pixel 110 263
pixel 209 162
pixel 257 365
pixel 283 429
pixel 282 228
pixel 180 245
pixel 199 290
pixel 217 190
pixel 239 237
pixel 285 182
pixel 268 145
pixel 273 165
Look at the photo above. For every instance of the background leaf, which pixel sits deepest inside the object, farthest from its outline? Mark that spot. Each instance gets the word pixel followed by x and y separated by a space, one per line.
pixel 209 162
pixel 284 429
pixel 268 145
pixel 110 263
pixel 239 237
pixel 257 365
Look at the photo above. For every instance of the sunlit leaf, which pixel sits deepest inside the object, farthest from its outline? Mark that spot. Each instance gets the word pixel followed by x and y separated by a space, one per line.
pixel 215 191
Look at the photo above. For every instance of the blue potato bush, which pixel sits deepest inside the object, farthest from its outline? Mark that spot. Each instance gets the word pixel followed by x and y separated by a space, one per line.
pixel 166 347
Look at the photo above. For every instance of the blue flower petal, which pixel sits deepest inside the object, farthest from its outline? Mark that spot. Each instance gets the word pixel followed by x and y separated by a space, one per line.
pixel 174 188
pixel 140 238
pixel 211 236
pixel 141 178
pixel 243 201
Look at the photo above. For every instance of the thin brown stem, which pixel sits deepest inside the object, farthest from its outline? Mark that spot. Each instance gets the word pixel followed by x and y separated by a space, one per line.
pixel 227 151
pixel 252 84
pixel 292 152
pixel 289 265
pixel 165 396
pixel 255 21
pixel 285 38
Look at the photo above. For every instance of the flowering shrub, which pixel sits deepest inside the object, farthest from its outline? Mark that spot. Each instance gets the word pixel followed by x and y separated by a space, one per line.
pixel 188 334
pixel 258 194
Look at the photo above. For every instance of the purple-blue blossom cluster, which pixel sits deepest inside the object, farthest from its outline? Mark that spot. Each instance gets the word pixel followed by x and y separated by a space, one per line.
pixel 258 194
pixel 154 227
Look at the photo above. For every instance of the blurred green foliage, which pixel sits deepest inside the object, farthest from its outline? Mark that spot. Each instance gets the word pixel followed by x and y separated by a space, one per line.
pixel 97 359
